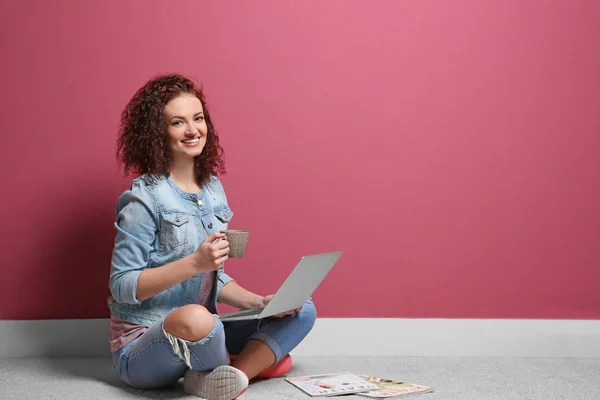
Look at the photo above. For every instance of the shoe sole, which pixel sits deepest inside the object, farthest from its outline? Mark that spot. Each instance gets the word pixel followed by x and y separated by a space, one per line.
pixel 223 383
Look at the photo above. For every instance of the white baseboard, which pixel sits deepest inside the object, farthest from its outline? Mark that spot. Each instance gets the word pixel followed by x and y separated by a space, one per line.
pixel 346 337
pixel 453 337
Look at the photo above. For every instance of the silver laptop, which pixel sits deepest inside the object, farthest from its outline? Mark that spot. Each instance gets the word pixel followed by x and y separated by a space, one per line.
pixel 295 291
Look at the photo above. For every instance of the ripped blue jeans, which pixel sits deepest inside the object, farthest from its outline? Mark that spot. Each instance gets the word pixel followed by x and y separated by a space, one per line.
pixel 157 359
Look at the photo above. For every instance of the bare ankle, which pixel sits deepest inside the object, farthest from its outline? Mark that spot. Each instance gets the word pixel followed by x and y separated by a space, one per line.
pixel 254 358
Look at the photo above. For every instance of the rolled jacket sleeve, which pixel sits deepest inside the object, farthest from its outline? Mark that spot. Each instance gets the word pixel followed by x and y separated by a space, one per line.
pixel 222 280
pixel 136 224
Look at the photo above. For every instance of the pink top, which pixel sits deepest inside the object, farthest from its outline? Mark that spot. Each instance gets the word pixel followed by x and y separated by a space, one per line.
pixel 122 332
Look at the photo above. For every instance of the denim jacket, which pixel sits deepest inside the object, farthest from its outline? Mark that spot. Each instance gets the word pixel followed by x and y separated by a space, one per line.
pixel 158 223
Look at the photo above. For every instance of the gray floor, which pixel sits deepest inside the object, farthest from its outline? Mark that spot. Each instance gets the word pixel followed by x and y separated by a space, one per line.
pixel 452 378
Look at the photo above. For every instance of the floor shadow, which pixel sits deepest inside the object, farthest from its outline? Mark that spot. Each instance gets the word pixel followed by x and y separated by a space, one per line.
pixel 101 370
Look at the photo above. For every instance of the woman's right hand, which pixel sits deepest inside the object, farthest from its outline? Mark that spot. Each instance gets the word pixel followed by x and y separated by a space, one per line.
pixel 210 256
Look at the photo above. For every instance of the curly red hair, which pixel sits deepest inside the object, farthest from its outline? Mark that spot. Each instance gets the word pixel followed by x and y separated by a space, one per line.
pixel 142 143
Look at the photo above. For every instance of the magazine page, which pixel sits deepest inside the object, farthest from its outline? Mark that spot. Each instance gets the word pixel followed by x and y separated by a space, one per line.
pixel 391 388
pixel 331 384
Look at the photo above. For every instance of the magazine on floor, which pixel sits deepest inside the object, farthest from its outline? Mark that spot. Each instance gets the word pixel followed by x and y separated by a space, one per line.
pixel 332 384
pixel 390 388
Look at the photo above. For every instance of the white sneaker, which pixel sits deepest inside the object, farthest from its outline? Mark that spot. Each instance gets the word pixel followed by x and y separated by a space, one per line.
pixel 222 383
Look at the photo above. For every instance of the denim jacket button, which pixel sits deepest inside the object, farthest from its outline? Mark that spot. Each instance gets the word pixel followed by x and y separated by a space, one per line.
pixel 210 225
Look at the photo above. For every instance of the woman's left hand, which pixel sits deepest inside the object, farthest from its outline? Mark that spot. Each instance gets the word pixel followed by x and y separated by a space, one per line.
pixel 266 301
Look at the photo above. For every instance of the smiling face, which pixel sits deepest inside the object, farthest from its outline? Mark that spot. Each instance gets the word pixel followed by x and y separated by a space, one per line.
pixel 186 126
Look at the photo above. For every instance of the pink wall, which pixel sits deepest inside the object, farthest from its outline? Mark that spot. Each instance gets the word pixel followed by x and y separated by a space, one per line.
pixel 450 148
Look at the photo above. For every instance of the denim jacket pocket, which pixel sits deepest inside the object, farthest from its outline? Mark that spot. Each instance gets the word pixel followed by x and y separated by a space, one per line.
pixel 223 216
pixel 173 229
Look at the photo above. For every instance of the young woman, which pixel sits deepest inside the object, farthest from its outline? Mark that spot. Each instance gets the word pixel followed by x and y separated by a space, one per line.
pixel 167 265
